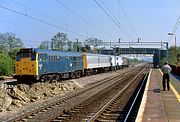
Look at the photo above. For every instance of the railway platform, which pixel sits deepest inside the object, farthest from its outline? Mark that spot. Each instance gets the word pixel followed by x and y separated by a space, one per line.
pixel 158 105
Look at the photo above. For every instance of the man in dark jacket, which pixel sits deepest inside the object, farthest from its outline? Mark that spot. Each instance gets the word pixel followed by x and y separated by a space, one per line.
pixel 166 69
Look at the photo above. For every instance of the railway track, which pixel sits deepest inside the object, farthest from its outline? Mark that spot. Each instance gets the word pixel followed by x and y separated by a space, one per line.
pixel 84 104
pixel 115 109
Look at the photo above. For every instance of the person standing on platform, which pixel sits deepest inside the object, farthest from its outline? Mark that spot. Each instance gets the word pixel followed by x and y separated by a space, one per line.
pixel 166 69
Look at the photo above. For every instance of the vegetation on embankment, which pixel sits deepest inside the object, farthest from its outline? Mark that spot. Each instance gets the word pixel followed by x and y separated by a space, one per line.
pixel 9 45
pixel 171 56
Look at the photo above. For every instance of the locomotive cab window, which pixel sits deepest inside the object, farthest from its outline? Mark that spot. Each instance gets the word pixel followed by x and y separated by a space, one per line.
pixel 26 53
pixel 33 56
pixel 18 57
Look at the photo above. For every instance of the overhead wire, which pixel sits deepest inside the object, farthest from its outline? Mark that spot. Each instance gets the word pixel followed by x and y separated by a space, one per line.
pixel 24 26
pixel 27 27
pixel 175 28
pixel 112 14
pixel 176 25
pixel 68 9
pixel 42 21
pixel 127 17
pixel 40 13
pixel 113 20
pixel 83 19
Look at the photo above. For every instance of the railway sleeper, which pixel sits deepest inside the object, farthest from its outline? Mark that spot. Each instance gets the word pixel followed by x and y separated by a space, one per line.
pixel 104 120
pixel 30 117
pixel 112 116
pixel 34 114
pixel 57 119
pixel 78 107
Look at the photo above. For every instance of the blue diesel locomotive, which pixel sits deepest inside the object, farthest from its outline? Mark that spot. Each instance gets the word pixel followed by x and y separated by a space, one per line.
pixel 47 64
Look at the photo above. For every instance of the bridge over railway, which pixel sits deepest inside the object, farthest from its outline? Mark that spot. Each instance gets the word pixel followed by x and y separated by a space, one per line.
pixel 157 50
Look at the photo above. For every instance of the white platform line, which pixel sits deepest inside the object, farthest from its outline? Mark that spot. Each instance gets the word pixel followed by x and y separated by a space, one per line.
pixel 144 100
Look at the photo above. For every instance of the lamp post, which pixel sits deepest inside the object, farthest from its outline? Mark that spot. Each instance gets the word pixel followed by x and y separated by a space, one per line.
pixel 176 62
pixel 119 45
pixel 139 40
pixel 129 49
pixel 77 41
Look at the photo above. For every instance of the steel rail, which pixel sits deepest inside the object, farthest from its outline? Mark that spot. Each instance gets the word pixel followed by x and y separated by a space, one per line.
pixel 92 119
pixel 135 99
pixel 23 115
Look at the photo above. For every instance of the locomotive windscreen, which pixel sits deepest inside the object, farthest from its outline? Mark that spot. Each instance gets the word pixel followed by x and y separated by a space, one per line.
pixel 26 50
pixel 26 53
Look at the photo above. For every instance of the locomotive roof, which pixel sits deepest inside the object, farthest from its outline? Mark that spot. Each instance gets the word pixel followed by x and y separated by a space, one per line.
pixel 57 52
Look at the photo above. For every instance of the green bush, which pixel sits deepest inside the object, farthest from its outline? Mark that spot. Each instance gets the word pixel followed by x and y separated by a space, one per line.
pixel 6 64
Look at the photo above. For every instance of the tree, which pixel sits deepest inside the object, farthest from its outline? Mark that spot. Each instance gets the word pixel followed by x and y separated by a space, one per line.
pixel 45 45
pixel 59 41
pixel 171 55
pixel 69 44
pixel 9 41
pixel 13 53
pixel 9 46
pixel 86 48
pixel 2 49
pixel 93 42
pixel 6 65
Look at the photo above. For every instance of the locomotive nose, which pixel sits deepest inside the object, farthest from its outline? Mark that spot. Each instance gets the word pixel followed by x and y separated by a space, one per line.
pixel 26 67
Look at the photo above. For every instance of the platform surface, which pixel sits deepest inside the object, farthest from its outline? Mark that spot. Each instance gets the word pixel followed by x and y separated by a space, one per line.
pixel 158 105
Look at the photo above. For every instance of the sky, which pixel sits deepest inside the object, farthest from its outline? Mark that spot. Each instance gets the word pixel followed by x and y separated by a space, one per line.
pixel 37 20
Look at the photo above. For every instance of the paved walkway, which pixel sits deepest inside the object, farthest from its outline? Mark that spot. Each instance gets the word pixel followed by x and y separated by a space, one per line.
pixel 158 105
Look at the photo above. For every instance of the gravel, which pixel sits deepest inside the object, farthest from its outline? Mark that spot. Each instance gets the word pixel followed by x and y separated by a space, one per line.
pixel 22 97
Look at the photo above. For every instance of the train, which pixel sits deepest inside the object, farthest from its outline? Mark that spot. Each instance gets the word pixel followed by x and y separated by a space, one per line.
pixel 48 65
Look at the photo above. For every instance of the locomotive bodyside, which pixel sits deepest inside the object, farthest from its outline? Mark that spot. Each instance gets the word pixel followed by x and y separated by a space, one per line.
pixel 59 64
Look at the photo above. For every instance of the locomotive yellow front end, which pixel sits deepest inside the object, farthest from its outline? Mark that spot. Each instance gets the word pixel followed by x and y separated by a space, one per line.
pixel 26 66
